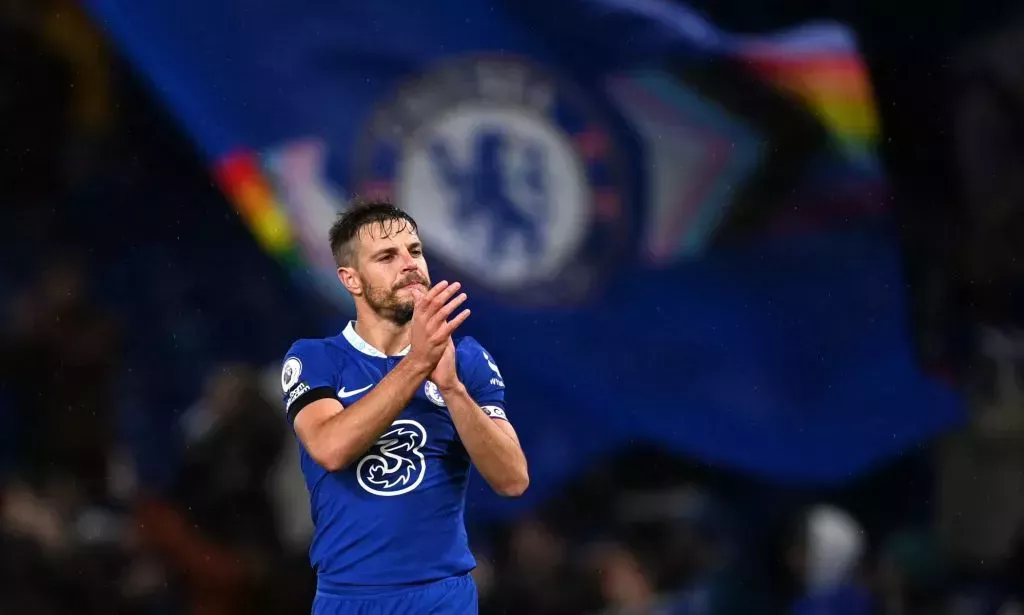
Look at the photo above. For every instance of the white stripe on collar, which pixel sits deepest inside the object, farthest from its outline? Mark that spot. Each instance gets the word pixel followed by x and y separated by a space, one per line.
pixel 362 345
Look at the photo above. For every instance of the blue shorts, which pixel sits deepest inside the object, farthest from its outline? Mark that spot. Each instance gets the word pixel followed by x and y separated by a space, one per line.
pixel 451 596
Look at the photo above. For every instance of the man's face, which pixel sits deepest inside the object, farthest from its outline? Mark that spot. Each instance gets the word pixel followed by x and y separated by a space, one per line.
pixel 391 269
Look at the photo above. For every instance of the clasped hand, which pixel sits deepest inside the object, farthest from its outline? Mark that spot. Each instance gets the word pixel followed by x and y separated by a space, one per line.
pixel 431 341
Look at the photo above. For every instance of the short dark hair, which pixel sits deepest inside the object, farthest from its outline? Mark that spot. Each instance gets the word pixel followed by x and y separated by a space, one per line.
pixel 362 213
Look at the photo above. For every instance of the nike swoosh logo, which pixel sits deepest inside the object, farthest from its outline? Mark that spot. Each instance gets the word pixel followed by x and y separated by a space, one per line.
pixel 342 393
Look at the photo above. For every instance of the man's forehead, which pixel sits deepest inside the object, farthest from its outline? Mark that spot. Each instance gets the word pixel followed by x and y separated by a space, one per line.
pixel 388 232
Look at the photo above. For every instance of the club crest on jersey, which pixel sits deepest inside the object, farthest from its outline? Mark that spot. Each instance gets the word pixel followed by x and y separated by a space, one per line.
pixel 395 464
pixel 513 175
pixel 433 394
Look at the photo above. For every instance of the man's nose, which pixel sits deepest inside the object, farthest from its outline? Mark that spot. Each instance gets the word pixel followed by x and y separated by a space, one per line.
pixel 408 262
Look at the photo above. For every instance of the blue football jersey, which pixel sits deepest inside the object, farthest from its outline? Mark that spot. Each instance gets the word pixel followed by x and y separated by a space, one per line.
pixel 394 516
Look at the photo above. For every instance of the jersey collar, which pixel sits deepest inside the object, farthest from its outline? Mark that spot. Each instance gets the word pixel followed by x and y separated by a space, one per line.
pixel 362 345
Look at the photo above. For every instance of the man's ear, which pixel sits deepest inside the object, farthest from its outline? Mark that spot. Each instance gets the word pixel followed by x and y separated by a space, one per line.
pixel 349 278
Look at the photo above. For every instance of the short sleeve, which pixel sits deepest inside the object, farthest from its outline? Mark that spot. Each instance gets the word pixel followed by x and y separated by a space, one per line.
pixel 482 378
pixel 307 375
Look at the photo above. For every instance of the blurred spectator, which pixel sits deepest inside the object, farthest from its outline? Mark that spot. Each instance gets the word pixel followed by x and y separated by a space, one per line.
pixel 59 366
pixel 714 580
pixel 61 541
pixel 828 558
pixel 233 438
pixel 216 531
pixel 538 575
pixel 990 139
pixel 626 586
pixel 912 575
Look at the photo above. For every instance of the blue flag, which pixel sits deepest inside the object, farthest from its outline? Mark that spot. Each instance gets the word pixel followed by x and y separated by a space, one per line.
pixel 670 233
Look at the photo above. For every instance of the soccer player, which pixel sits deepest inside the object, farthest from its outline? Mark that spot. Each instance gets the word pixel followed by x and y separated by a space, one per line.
pixel 390 415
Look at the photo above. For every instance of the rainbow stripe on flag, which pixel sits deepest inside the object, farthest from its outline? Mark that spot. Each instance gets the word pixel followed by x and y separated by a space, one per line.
pixel 241 177
pixel 820 65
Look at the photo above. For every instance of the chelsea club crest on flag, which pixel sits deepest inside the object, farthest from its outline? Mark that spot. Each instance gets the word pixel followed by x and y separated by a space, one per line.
pixel 512 173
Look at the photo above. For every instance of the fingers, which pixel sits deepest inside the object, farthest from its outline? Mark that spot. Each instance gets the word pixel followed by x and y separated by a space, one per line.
pixel 431 292
pixel 437 304
pixel 454 323
pixel 445 294
pixel 436 297
pixel 449 307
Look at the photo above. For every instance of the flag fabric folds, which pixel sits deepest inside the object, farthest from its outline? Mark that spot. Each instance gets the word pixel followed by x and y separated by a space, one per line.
pixel 670 233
